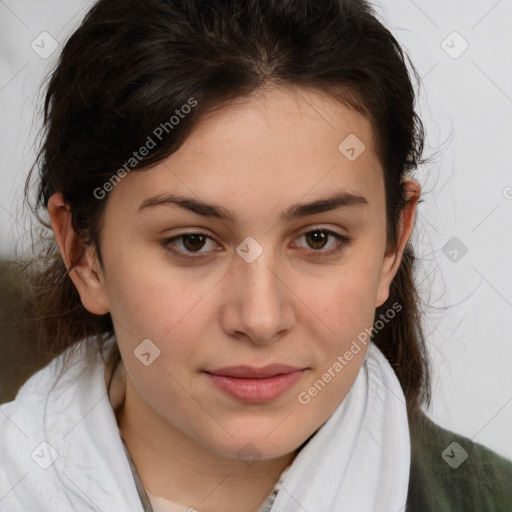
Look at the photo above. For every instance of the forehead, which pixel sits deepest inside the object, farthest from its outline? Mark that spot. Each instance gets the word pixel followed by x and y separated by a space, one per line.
pixel 266 151
pixel 261 123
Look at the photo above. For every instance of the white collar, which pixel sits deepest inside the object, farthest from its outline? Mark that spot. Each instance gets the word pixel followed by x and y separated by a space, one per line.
pixel 60 446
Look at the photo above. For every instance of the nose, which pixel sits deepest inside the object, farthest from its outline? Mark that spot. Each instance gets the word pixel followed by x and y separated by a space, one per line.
pixel 258 303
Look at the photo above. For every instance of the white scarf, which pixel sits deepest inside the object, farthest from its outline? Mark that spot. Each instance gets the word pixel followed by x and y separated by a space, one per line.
pixel 359 460
pixel 60 448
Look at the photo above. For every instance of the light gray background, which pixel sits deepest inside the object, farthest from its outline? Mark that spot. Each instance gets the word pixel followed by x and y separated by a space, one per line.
pixel 466 105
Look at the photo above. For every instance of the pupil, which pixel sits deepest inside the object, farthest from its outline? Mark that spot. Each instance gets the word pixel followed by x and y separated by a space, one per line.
pixel 318 237
pixel 196 240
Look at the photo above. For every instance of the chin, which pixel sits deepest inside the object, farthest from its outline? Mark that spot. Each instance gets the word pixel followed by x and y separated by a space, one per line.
pixel 251 448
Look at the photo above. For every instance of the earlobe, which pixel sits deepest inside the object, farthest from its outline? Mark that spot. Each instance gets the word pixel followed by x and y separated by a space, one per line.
pixel 85 273
pixel 392 261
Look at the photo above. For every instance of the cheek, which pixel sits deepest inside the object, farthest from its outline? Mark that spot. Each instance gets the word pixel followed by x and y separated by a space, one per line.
pixel 149 298
pixel 342 315
pixel 342 300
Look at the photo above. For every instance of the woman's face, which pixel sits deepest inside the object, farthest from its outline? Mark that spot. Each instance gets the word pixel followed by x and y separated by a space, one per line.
pixel 268 281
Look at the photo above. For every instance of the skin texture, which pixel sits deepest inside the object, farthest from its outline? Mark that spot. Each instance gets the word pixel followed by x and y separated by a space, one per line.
pixel 291 305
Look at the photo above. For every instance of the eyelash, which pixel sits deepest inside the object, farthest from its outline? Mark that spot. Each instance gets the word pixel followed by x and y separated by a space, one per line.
pixel 343 241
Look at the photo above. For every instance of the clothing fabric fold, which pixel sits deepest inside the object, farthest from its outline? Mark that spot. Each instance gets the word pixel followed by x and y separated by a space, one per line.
pixel 60 447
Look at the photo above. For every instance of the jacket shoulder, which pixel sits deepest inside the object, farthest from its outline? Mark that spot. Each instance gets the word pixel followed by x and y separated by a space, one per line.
pixel 450 472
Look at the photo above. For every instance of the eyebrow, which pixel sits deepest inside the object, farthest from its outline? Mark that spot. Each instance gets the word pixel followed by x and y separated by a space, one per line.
pixel 332 202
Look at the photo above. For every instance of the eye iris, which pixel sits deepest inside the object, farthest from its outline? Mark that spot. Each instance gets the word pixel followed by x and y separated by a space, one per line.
pixel 318 237
pixel 197 239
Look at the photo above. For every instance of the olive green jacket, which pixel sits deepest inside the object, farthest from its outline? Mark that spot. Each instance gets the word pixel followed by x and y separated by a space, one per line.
pixel 451 473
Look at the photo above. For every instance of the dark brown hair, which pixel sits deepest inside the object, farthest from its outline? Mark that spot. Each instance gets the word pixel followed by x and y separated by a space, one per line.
pixel 132 64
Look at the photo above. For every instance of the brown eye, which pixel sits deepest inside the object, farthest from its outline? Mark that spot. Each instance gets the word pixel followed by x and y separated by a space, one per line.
pixel 193 242
pixel 316 239
pixel 190 245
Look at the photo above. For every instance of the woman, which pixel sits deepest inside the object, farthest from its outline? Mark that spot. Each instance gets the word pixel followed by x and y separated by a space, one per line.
pixel 233 298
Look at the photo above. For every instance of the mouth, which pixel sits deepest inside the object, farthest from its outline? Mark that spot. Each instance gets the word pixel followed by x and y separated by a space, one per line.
pixel 255 385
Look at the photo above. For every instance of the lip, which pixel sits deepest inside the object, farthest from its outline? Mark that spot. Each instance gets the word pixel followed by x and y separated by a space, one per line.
pixel 255 385
pixel 251 372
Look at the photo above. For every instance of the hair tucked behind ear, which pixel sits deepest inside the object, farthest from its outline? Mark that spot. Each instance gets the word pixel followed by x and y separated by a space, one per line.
pixel 132 64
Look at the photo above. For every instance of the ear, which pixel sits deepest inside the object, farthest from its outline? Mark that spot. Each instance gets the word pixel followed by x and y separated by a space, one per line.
pixel 86 274
pixel 392 259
